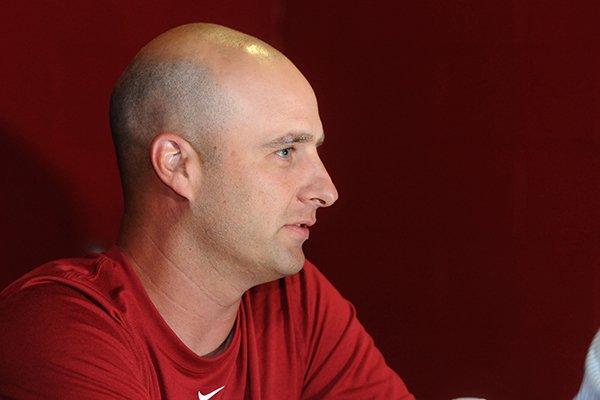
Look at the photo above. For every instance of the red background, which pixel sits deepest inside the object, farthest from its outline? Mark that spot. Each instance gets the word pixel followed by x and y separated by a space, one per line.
pixel 462 136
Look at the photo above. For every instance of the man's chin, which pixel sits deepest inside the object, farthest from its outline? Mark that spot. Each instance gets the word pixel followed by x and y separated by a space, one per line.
pixel 294 264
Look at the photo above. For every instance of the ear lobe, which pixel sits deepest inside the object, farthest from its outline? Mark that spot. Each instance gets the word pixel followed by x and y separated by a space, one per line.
pixel 175 162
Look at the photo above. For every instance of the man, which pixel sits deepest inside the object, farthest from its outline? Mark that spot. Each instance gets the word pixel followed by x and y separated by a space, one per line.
pixel 207 294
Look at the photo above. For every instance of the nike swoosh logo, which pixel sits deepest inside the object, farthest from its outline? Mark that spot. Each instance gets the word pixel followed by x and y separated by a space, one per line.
pixel 211 394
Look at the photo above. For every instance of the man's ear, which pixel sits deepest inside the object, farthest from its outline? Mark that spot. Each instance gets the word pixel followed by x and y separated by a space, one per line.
pixel 176 163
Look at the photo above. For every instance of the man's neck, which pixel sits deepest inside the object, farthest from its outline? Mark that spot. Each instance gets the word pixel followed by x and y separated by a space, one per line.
pixel 195 301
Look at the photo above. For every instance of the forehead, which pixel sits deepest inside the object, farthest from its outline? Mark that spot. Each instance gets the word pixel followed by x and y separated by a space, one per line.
pixel 272 99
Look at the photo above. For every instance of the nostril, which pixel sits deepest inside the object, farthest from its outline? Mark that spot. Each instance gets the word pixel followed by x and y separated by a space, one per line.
pixel 320 201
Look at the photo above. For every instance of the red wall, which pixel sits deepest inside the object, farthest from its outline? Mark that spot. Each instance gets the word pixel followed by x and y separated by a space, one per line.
pixel 462 136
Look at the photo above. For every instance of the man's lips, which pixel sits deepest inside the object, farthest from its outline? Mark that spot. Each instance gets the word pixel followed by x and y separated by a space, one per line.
pixel 301 228
pixel 303 223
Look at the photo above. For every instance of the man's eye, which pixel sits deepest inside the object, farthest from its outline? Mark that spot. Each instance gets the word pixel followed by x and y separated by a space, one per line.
pixel 285 153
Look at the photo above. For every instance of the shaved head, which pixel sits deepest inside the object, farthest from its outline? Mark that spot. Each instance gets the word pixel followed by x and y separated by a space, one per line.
pixel 175 85
pixel 155 96
pixel 216 135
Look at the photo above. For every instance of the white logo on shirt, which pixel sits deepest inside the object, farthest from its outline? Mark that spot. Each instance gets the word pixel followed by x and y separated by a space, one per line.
pixel 211 394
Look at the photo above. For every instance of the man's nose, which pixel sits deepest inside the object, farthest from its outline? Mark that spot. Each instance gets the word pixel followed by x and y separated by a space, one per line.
pixel 321 191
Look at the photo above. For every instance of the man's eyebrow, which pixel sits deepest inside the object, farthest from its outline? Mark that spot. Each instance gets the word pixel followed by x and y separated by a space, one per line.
pixel 293 138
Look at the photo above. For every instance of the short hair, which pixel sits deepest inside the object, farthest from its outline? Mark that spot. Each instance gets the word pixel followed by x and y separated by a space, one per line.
pixel 153 96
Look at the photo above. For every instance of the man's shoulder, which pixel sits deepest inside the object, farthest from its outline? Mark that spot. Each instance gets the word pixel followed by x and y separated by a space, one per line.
pixel 58 270
pixel 95 277
pixel 71 300
pixel 64 323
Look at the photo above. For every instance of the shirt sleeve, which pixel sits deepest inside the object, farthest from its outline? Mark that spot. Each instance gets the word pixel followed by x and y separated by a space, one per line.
pixel 343 361
pixel 590 387
pixel 56 343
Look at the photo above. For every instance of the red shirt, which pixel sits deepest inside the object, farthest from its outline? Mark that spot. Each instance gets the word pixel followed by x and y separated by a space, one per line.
pixel 86 329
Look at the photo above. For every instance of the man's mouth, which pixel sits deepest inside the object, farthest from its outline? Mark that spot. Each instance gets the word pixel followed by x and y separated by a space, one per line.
pixel 301 230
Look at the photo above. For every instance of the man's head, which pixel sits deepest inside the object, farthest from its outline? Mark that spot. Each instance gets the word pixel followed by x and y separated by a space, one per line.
pixel 165 89
pixel 217 132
